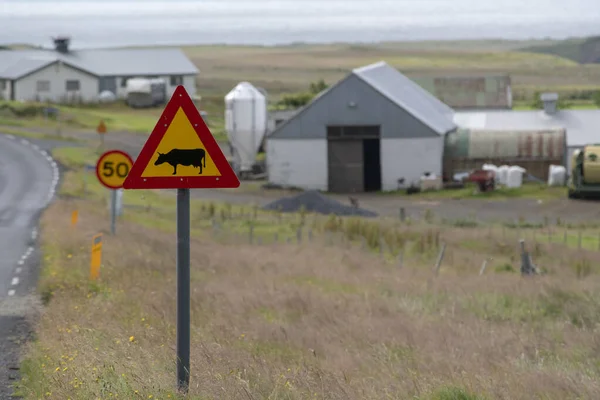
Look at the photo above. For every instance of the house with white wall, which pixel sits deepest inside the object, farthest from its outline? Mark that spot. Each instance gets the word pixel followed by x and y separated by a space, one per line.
pixel 62 74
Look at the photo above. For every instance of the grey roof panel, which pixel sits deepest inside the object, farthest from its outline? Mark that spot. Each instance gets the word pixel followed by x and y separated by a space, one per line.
pixel 581 125
pixel 108 62
pixel 23 66
pixel 408 95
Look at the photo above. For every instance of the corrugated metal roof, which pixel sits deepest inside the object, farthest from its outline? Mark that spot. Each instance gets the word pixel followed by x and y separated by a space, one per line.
pixel 408 95
pixel 104 62
pixel 24 66
pixel 582 126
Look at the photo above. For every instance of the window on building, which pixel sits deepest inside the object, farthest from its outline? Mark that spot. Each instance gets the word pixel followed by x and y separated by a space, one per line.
pixel 2 85
pixel 72 86
pixel 124 81
pixel 43 86
pixel 176 80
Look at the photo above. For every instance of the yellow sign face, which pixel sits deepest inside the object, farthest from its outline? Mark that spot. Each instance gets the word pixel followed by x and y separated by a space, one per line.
pixel 112 168
pixel 180 153
pixel 96 256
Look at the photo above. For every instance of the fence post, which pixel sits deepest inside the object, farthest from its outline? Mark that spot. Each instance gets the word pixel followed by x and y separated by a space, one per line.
pixel 438 264
pixel 483 266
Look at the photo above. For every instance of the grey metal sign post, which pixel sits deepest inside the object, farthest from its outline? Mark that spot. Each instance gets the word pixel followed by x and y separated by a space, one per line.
pixel 183 289
pixel 113 211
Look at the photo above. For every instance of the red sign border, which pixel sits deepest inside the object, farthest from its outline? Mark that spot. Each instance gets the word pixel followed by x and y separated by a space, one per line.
pixel 104 155
pixel 181 99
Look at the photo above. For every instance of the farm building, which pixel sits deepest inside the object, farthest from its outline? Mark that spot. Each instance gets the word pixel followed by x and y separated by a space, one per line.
pixel 582 126
pixel 469 92
pixel 62 74
pixel 373 130
pixel 468 149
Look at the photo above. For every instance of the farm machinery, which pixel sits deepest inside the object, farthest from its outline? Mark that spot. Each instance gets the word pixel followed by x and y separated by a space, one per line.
pixel 584 178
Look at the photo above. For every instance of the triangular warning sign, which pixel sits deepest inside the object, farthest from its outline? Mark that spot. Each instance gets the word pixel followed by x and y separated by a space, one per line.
pixel 181 153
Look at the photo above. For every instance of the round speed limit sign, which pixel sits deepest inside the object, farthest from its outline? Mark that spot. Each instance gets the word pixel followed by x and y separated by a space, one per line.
pixel 112 168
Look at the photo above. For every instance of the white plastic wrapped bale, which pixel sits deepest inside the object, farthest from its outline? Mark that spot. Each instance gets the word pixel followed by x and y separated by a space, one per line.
pixel 502 174
pixel 557 175
pixel 514 178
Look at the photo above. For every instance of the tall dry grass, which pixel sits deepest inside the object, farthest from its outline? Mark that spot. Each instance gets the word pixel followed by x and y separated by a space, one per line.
pixel 329 318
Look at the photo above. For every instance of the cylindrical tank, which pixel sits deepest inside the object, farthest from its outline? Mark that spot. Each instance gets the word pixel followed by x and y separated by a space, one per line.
pixel 534 150
pixel 591 164
pixel 245 122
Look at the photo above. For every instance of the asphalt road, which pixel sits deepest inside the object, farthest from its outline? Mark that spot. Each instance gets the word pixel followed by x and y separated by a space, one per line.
pixel 28 178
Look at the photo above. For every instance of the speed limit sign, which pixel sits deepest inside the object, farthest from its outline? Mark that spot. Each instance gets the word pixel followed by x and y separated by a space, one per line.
pixel 112 168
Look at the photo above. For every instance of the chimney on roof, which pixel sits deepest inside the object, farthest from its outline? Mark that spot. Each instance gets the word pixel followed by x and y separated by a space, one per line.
pixel 61 44
pixel 550 101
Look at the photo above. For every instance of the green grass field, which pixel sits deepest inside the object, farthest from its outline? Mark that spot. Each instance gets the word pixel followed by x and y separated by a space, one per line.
pixel 269 321
pixel 290 69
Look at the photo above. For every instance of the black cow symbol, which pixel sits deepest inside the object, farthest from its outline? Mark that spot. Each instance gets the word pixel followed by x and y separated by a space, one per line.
pixel 186 157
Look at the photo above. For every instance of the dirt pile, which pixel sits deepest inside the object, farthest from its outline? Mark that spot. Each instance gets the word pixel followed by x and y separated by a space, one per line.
pixel 313 201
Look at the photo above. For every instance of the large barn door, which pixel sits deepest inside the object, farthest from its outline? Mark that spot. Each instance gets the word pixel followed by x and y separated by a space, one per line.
pixel 354 158
pixel 345 166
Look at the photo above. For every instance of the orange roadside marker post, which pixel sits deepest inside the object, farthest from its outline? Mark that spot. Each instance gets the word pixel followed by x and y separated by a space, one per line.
pixel 101 129
pixel 74 217
pixel 96 257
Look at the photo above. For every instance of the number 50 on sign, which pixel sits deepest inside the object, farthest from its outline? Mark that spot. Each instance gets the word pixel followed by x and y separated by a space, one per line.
pixel 112 168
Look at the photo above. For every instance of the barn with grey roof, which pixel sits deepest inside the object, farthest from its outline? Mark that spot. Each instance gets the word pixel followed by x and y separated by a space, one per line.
pixel 61 73
pixel 373 130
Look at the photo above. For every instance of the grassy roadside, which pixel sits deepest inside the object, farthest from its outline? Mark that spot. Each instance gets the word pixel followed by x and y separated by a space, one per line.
pixel 269 320
pixel 32 134
pixel 539 191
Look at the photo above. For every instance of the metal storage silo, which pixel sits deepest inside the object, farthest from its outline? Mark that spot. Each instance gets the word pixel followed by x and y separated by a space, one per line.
pixel 245 123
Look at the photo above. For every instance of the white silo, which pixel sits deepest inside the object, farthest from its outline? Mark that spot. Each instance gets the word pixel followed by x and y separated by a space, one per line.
pixel 245 123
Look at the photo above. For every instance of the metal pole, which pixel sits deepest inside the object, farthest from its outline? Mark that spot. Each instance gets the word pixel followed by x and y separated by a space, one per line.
pixel 113 211
pixel 183 289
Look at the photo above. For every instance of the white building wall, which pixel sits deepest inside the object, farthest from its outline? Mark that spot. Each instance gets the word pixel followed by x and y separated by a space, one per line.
pixel 189 81
pixel 297 163
pixel 57 74
pixel 4 89
pixel 409 159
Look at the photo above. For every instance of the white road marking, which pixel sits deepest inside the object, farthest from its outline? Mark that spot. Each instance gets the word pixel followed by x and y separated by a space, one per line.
pixel 51 193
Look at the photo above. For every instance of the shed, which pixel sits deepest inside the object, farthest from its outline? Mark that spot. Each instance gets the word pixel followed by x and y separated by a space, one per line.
pixel 373 130
pixel 582 126
pixel 534 150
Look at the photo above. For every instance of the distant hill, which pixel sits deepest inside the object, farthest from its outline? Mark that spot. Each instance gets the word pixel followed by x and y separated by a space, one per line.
pixel 581 50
